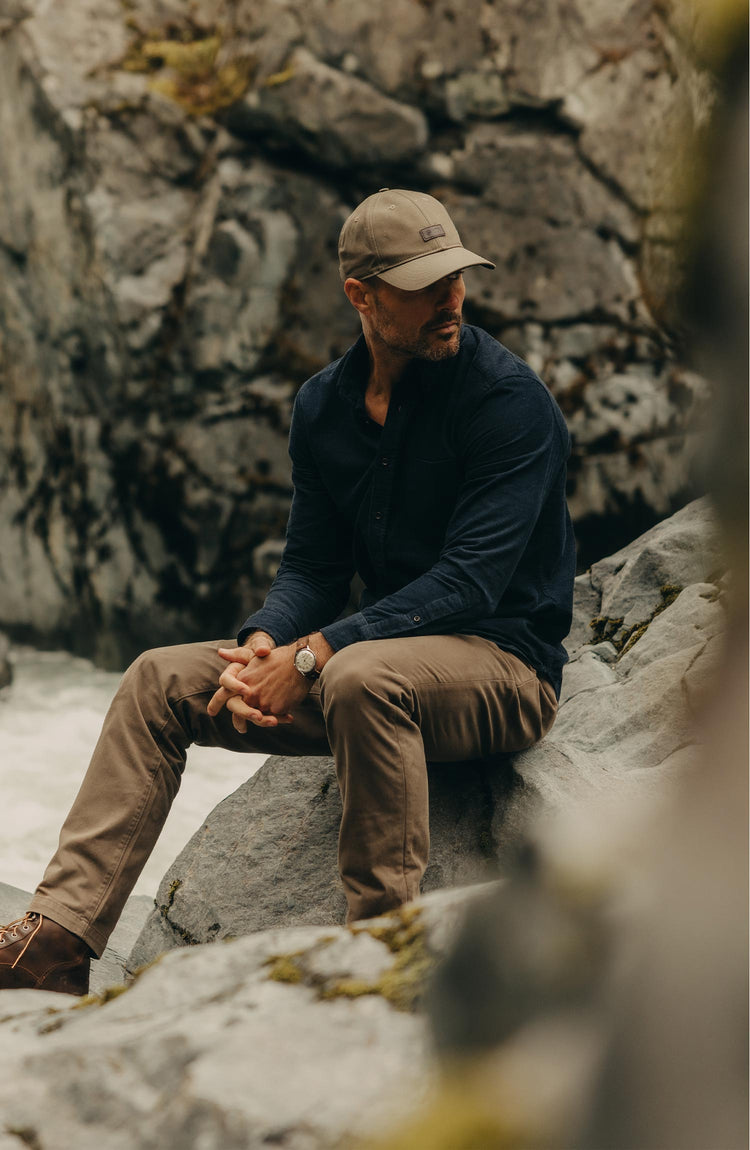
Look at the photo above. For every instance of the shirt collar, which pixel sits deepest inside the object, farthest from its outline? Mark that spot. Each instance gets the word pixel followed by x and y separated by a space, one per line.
pixel 421 376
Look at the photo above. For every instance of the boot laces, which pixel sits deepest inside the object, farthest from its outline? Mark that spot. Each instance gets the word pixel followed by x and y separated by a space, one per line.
pixel 28 923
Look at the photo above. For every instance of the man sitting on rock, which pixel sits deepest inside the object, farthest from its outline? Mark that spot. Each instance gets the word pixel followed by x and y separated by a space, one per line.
pixel 430 460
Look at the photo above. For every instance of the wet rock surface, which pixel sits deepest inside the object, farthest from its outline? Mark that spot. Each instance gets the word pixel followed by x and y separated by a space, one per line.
pixel 173 187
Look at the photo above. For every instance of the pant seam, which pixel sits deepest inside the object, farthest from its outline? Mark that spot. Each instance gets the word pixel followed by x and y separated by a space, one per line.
pixel 405 820
pixel 129 834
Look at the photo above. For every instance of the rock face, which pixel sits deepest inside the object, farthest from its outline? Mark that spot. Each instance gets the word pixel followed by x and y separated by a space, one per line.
pixel 646 637
pixel 173 183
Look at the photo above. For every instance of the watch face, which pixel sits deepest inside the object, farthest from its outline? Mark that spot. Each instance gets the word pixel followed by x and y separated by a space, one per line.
pixel 304 661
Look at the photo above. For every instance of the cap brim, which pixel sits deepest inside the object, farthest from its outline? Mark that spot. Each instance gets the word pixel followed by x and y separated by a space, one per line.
pixel 425 270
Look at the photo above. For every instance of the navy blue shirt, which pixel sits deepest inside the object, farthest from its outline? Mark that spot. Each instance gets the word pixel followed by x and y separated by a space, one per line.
pixel 453 513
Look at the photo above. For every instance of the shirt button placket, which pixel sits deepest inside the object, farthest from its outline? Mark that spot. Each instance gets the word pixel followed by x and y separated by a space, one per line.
pixel 383 485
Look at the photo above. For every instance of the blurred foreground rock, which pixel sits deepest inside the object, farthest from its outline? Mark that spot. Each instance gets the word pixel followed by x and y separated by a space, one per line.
pixel 6 671
pixel 173 180
pixel 646 639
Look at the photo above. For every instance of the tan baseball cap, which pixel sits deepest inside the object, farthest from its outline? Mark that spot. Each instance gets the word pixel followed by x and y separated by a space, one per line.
pixel 406 238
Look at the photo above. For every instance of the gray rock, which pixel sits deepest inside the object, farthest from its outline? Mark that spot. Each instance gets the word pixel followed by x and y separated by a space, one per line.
pixel 266 856
pixel 233 1046
pixel 111 969
pixel 13 902
pixel 338 119
pixel 624 728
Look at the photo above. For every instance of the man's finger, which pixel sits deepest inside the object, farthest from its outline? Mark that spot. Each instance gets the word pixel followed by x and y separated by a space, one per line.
pixel 241 655
pixel 219 699
pixel 238 707
pixel 231 681
pixel 230 685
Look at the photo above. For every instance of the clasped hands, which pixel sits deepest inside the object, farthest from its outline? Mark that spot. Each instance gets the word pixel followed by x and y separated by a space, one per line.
pixel 260 685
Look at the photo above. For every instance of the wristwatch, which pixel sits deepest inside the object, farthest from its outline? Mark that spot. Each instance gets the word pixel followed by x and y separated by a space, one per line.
pixel 305 662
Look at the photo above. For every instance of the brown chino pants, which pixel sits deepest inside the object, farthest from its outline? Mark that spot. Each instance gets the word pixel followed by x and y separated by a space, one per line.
pixel 383 708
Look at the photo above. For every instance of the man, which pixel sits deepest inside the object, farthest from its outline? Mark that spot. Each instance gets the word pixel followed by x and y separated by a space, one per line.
pixel 432 461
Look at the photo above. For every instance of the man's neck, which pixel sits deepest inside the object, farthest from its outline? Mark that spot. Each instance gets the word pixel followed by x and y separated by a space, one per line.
pixel 386 369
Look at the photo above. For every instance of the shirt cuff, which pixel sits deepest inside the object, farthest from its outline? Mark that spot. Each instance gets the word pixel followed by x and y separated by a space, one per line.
pixel 278 626
pixel 346 631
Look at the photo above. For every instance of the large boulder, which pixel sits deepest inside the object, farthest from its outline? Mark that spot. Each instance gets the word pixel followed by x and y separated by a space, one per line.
pixel 173 185
pixel 266 856
pixel 647 635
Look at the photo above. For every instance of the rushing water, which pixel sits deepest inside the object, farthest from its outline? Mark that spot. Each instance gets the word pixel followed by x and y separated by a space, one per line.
pixel 50 718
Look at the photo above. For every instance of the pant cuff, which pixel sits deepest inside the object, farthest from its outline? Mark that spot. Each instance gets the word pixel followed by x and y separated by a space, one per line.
pixel 63 916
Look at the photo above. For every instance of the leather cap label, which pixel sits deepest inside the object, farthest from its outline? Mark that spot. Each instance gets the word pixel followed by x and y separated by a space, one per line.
pixel 432 233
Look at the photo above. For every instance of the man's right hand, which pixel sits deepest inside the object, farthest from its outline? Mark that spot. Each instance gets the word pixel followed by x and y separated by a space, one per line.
pixel 233 692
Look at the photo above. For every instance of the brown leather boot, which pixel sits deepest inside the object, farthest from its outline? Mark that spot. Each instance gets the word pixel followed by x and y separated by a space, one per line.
pixel 37 954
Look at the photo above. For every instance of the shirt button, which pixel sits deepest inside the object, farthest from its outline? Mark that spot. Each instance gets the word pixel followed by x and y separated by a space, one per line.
pixel 378 514
pixel 385 461
pixel 416 618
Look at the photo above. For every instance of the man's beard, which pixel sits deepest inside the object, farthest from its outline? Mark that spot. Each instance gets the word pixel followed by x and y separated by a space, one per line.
pixel 422 346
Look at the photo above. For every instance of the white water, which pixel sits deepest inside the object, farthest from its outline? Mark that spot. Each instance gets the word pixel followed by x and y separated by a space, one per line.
pixel 50 718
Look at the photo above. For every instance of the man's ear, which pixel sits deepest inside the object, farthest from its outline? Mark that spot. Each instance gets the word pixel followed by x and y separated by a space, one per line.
pixel 360 294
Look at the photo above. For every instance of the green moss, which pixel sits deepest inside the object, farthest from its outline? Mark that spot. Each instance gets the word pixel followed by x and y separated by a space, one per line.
pixel 461 1117
pixel 608 630
pixel 604 629
pixel 348 988
pixel 631 637
pixel 103 996
pixel 192 66
pixel 402 984
pixel 26 1135
pixel 164 909
pixel 115 991
pixel 668 592
pixel 283 968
